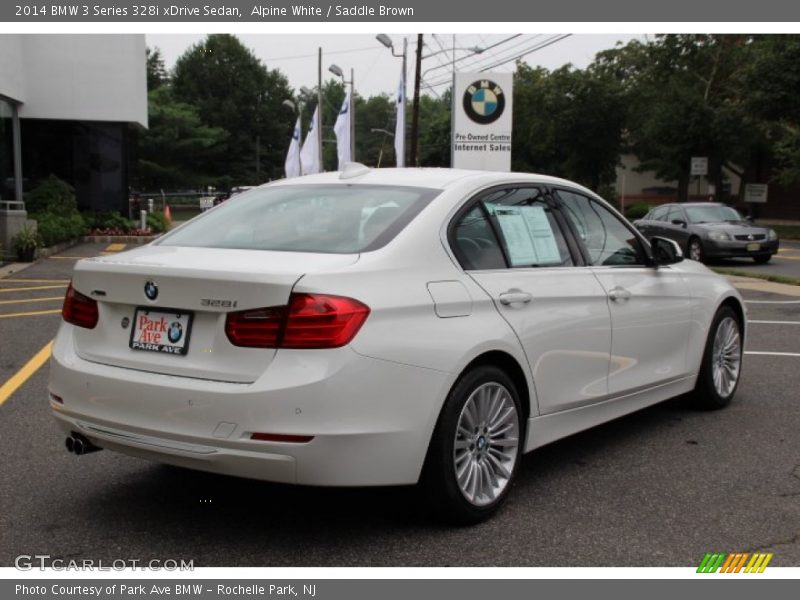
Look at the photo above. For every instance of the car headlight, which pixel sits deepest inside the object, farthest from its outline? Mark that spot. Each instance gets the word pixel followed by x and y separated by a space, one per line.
pixel 718 236
pixel 772 235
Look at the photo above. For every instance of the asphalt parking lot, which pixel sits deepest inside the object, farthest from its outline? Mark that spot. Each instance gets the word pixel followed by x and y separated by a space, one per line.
pixel 657 488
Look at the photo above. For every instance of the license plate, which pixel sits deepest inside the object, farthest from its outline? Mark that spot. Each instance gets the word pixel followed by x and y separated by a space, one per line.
pixel 161 331
pixel 753 247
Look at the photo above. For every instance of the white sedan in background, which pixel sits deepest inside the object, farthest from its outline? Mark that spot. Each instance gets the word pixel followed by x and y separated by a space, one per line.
pixel 384 327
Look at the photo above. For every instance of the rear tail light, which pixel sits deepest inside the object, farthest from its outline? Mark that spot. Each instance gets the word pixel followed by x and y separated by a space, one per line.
pixel 310 321
pixel 79 310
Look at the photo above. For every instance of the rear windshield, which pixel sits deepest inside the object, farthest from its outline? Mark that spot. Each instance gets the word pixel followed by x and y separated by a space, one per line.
pixel 337 219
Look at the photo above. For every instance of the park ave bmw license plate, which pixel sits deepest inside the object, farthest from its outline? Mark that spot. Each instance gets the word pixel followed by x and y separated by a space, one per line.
pixel 161 331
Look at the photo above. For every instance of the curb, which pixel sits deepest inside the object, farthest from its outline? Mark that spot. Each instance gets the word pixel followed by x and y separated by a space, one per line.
pixel 119 239
pixel 760 285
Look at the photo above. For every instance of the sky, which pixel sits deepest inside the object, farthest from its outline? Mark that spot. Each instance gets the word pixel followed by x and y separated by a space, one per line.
pixel 377 71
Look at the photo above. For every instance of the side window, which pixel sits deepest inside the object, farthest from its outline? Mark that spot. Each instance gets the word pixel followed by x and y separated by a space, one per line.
pixel 658 214
pixel 474 242
pixel 530 233
pixel 607 239
pixel 675 215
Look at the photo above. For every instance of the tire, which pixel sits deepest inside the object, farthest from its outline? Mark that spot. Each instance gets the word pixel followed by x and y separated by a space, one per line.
pixel 695 250
pixel 489 464
pixel 717 381
pixel 762 260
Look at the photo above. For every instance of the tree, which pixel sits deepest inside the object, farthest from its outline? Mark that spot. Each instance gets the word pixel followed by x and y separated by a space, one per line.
pixel 178 150
pixel 232 90
pixel 156 70
pixel 772 79
pixel 685 99
pixel 568 123
pixel 434 127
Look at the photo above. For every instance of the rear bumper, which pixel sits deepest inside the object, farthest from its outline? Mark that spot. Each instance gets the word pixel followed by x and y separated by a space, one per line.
pixel 738 249
pixel 371 419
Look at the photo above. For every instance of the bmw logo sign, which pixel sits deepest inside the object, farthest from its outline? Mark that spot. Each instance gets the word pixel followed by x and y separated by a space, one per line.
pixel 484 101
pixel 151 290
pixel 175 332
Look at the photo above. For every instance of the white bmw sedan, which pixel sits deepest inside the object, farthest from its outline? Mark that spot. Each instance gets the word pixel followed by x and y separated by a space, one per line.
pixel 384 327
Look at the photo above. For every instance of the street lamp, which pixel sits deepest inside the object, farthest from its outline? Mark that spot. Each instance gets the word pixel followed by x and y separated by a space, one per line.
pixel 337 70
pixel 387 41
pixel 385 132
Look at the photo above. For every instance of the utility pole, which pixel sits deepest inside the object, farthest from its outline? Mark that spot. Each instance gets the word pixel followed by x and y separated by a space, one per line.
pixel 412 158
pixel 319 108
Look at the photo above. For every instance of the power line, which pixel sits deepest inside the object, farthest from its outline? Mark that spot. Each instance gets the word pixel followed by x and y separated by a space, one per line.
pixel 296 56
pixel 485 67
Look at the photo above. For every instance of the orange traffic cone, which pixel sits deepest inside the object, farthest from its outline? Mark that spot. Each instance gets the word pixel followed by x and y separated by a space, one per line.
pixel 168 213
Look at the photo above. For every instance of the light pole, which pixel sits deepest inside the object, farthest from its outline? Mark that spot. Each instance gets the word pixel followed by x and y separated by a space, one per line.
pixel 385 132
pixel 337 70
pixel 387 41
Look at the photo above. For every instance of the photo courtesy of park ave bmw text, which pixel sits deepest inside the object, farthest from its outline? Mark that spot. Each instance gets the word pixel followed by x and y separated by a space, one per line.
pixel 305 299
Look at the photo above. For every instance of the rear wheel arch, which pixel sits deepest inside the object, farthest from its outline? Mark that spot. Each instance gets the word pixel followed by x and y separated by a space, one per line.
pixel 511 367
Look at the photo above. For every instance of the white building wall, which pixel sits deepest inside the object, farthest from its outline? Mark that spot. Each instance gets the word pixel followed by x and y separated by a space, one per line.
pixel 78 77
pixel 12 76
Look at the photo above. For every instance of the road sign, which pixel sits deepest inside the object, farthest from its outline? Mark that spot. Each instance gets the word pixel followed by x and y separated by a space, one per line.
pixel 755 192
pixel 699 165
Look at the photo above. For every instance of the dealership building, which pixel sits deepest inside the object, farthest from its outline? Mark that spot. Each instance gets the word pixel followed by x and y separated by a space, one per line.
pixel 68 106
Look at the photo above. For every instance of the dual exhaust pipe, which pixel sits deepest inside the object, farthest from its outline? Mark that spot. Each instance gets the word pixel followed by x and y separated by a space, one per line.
pixel 79 445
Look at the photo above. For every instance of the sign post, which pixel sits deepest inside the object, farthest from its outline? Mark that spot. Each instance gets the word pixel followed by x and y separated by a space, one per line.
pixel 482 122
pixel 698 169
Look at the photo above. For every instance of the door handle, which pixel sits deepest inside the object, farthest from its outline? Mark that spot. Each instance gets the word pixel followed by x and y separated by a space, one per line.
pixel 619 294
pixel 510 297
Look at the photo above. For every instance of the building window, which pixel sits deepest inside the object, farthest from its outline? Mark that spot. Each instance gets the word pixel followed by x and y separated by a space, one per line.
pixel 8 184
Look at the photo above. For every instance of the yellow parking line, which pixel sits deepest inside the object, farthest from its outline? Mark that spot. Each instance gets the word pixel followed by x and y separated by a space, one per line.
pixel 50 299
pixel 21 376
pixel 35 280
pixel 30 314
pixel 115 248
pixel 31 289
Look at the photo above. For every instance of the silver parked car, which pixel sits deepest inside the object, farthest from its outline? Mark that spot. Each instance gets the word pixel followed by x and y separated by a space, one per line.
pixel 709 230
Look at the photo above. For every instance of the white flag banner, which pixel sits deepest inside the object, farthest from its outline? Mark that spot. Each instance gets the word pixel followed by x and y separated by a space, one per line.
pixel 342 130
pixel 309 154
pixel 292 165
pixel 400 128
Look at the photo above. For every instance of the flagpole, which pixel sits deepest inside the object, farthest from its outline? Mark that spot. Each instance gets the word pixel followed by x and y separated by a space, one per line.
pixel 352 115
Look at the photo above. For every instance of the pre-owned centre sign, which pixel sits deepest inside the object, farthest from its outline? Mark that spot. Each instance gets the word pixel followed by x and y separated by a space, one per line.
pixel 482 108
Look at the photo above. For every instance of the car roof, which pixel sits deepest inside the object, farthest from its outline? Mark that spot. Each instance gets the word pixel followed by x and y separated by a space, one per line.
pixel 437 178
pixel 700 204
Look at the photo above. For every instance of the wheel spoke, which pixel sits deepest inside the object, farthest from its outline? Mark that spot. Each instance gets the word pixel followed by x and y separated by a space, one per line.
pixel 486 443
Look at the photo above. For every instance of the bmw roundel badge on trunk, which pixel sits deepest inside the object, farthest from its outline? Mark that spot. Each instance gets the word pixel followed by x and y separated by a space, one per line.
pixel 151 290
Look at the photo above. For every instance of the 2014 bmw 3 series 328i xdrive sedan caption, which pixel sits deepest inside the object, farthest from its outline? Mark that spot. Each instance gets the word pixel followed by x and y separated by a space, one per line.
pixel 387 327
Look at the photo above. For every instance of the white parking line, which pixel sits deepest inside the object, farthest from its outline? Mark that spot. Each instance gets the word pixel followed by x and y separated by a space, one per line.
pixel 774 322
pixel 772 301
pixel 797 354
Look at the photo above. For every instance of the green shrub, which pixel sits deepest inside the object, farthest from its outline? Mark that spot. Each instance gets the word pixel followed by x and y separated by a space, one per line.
pixel 108 220
pixel 157 222
pixel 54 228
pixel 52 195
pixel 638 210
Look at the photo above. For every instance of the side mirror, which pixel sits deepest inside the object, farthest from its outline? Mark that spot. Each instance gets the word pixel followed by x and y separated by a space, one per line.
pixel 680 222
pixel 749 219
pixel 665 251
